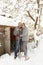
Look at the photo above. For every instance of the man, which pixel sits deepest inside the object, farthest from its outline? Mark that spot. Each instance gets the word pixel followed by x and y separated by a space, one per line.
pixel 16 33
pixel 25 39
pixel 20 39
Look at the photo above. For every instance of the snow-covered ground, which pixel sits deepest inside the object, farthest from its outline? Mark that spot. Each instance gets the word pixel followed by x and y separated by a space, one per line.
pixel 36 56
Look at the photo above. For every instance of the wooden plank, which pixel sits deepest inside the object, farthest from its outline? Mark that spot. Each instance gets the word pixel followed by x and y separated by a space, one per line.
pixel 7 40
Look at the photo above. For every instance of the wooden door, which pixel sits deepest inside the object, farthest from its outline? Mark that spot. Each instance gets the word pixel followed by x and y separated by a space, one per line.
pixel 7 40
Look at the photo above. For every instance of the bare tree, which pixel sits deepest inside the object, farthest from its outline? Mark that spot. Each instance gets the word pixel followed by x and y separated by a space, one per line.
pixel 35 20
pixel 38 13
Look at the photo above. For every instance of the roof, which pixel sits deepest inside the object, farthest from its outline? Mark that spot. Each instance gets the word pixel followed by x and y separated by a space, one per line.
pixel 7 21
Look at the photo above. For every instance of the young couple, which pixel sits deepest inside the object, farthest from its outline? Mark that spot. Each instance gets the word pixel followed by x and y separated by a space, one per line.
pixel 21 33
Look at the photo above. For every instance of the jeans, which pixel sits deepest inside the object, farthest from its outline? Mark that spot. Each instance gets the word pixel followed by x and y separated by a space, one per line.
pixel 25 48
pixel 20 43
pixel 16 48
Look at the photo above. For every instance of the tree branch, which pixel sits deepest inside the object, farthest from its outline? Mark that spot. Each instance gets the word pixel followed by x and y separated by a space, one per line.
pixel 30 16
pixel 38 13
pixel 36 22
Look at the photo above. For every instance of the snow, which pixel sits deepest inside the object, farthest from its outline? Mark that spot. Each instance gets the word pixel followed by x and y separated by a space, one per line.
pixel 7 21
pixel 36 56
pixel 16 9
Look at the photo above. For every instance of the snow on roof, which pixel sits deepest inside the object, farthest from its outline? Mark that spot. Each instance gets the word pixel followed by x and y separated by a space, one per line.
pixel 7 21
